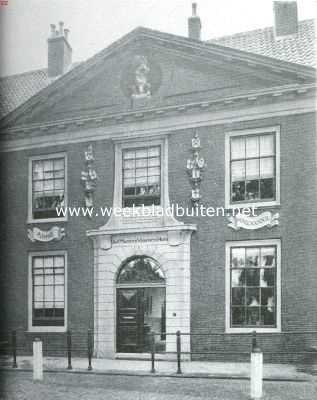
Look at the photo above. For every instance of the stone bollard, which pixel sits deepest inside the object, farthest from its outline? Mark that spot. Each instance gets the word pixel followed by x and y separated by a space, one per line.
pixel 256 382
pixel 37 360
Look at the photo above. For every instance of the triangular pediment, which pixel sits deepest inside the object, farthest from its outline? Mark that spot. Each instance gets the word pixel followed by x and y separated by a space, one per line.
pixel 147 69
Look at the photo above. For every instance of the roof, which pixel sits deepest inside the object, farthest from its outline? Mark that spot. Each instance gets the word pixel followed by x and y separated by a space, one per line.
pixel 17 89
pixel 297 48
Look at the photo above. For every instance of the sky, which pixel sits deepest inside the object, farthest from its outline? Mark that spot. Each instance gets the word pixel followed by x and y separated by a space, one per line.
pixel 94 24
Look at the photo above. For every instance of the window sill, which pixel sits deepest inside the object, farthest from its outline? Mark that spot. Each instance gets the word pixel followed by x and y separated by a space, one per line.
pixel 48 329
pixel 46 220
pixel 254 205
pixel 250 330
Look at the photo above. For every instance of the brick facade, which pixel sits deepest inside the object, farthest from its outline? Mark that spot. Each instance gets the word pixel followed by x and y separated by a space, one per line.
pixel 296 230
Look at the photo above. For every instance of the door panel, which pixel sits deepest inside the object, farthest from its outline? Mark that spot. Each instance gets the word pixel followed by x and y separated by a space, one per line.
pixel 129 321
pixel 139 310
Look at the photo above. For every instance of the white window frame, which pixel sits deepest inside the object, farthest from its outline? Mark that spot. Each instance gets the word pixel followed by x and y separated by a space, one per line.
pixel 50 328
pixel 255 203
pixel 120 146
pixel 44 157
pixel 250 243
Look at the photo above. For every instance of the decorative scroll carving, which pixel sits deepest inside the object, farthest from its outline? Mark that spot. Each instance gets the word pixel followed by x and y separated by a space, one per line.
pixel 195 166
pixel 54 234
pixel 89 177
pixel 251 223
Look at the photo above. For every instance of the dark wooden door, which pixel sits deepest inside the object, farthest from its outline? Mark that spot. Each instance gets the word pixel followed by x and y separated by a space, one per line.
pixel 130 320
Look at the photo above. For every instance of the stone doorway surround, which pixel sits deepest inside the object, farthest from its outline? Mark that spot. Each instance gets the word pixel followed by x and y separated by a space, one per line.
pixel 165 240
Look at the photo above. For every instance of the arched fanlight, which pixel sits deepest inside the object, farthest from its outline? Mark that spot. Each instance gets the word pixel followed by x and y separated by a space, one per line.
pixel 141 269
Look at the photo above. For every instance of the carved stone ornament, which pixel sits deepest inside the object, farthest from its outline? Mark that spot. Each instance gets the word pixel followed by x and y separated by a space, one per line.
pixel 141 86
pixel 56 233
pixel 89 177
pixel 141 77
pixel 195 166
pixel 256 222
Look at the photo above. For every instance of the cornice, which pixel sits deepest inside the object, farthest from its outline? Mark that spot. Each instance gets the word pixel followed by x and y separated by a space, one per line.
pixel 272 94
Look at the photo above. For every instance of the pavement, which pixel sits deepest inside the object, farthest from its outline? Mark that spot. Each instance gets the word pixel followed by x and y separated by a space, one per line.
pixel 195 369
pixel 70 386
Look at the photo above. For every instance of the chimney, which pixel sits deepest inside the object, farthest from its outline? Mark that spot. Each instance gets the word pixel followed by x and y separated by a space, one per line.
pixel 194 24
pixel 285 18
pixel 59 51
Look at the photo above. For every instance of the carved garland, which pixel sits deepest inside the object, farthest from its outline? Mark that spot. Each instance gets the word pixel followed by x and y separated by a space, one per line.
pixel 195 166
pixel 89 177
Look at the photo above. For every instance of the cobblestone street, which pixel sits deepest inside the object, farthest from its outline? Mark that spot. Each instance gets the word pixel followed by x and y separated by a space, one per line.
pixel 69 386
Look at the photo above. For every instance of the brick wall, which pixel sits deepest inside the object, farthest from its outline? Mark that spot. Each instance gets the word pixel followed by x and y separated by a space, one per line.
pixel 296 231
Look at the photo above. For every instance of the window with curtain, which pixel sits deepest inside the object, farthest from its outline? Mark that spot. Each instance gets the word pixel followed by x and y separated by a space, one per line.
pixel 141 176
pixel 48 187
pixel 48 290
pixel 253 286
pixel 253 168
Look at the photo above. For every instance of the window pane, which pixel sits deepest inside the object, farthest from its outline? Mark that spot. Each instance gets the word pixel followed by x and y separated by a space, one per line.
pixel 253 297
pixel 238 277
pixel 154 162
pixel 238 296
pixel 252 169
pixel 267 256
pixel 267 188
pixel 59 164
pixel 253 277
pixel 252 190
pixel 252 256
pixel 238 171
pixel 48 165
pixel 38 262
pixel 268 316
pixel 267 167
pixel 128 174
pixel 59 293
pixel 238 257
pixel 238 191
pixel 267 297
pixel 59 279
pixel 129 164
pixel 266 145
pixel 48 175
pixel 38 293
pixel 59 184
pixel 238 315
pixel 154 151
pixel 141 153
pixel 237 148
pixel 49 293
pixel 267 277
pixel 253 315
pixel 141 163
pixel 38 280
pixel 59 261
pixel 48 262
pixel 142 172
pixel 252 146
pixel 128 154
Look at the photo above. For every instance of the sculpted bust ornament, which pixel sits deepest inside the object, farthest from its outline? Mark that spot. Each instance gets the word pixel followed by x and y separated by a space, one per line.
pixel 141 87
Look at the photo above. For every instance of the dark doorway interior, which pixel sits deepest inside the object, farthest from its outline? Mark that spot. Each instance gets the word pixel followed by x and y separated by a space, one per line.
pixel 140 310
